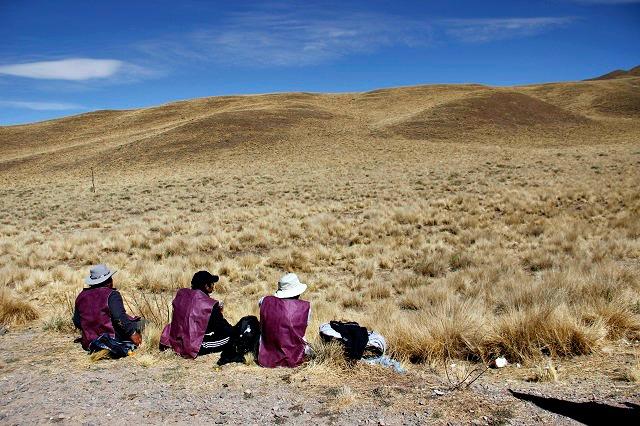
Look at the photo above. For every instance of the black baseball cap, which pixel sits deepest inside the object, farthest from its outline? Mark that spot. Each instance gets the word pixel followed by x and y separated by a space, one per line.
pixel 202 278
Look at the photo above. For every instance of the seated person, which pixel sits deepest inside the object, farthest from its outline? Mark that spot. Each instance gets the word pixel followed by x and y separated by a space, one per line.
pixel 198 327
pixel 99 310
pixel 283 323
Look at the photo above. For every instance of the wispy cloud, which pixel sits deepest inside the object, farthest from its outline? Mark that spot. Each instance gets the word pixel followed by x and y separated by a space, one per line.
pixel 486 30
pixel 40 106
pixel 294 39
pixel 73 69
pixel 269 39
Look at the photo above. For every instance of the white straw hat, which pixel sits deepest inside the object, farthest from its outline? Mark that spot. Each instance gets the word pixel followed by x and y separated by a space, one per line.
pixel 289 286
pixel 98 274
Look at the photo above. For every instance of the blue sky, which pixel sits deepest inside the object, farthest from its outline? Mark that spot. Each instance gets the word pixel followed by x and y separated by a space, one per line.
pixel 67 57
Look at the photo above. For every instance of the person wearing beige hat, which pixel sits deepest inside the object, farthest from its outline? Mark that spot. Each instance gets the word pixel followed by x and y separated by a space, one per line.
pixel 283 322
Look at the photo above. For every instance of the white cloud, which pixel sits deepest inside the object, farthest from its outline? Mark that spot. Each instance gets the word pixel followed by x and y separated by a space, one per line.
pixel 40 106
pixel 486 30
pixel 76 69
pixel 271 39
pixel 299 39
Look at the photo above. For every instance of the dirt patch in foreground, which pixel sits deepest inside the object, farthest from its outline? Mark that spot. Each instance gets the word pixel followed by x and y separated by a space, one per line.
pixel 59 384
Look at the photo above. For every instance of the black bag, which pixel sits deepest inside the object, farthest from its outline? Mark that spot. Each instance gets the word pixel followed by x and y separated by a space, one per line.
pixel 354 338
pixel 116 348
pixel 244 339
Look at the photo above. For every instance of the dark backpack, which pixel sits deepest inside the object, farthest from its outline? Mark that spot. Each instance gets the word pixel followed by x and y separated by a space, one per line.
pixel 245 339
pixel 116 348
pixel 354 338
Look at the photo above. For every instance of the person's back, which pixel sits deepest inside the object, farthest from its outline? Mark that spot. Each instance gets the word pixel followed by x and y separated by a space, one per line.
pixel 283 323
pixel 191 313
pixel 92 307
pixel 99 310
pixel 198 326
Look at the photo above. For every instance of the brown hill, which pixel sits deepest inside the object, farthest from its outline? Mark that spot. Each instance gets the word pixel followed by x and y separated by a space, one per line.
pixel 299 125
pixel 633 72
pixel 492 112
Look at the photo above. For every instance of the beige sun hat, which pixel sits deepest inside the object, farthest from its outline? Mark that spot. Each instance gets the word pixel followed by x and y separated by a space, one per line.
pixel 289 286
pixel 98 274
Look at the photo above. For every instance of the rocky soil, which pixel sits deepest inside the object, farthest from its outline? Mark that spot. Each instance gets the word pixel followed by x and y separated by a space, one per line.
pixel 46 378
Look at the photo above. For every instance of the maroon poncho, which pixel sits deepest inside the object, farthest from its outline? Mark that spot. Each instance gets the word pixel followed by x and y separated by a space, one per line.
pixel 191 313
pixel 283 323
pixel 92 304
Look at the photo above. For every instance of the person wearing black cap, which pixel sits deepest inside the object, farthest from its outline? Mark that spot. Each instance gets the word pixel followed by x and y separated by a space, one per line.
pixel 198 326
pixel 219 331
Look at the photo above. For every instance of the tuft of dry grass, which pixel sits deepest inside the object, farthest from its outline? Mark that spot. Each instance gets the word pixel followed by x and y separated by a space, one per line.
pixel 329 355
pixel 15 311
pixel 100 355
pixel 344 398
pixel 432 266
pixel 522 334
pixel 632 374
pixel 59 321
pixel 145 360
pixel 154 308
pixel 544 373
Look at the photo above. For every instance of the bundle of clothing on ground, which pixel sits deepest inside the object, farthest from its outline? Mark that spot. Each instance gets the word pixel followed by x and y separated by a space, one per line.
pixel 359 343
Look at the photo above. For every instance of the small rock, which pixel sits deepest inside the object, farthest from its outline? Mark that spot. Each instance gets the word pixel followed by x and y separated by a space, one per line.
pixel 3 330
pixel 248 393
pixel 438 392
pixel 57 419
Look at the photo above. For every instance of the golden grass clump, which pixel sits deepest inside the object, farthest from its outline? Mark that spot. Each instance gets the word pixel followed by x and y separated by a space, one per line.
pixel 432 266
pixel 632 373
pixel 531 332
pixel 544 373
pixel 15 310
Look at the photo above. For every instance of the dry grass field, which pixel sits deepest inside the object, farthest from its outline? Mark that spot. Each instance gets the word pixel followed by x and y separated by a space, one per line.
pixel 462 222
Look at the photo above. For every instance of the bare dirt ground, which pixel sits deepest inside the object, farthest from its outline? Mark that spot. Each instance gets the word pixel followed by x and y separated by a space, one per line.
pixel 55 382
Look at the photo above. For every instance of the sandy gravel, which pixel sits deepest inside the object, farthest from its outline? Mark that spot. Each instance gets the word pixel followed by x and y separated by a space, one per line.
pixel 58 384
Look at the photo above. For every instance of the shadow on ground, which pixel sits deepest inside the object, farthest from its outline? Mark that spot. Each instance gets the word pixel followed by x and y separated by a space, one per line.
pixel 589 413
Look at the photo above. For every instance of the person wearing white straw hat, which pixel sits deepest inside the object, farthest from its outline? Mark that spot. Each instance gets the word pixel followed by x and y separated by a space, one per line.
pixel 99 310
pixel 283 322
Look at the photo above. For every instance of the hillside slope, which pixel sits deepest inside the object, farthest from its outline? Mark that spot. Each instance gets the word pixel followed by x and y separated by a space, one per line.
pixel 206 129
pixel 633 72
